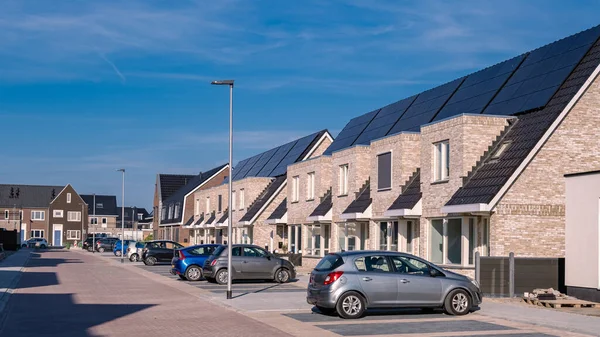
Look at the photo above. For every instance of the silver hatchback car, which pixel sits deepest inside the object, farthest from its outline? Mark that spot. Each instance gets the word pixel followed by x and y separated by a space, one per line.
pixel 350 282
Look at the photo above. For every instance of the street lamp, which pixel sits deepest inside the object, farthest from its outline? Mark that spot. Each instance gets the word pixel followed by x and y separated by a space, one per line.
pixel 122 214
pixel 230 84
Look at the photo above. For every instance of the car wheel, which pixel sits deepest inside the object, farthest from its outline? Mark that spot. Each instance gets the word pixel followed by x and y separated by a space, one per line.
pixel 458 303
pixel 23 246
pixel 221 276
pixel 351 305
pixel 326 311
pixel 150 261
pixel 183 277
pixel 134 257
pixel 43 246
pixel 118 253
pixel 282 275
pixel 101 249
pixel 193 273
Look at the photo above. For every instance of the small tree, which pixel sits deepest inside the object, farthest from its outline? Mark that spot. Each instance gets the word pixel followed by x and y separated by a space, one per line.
pixel 150 237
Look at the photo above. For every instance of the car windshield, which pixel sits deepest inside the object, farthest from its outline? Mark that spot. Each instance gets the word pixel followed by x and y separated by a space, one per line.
pixel 329 262
pixel 219 250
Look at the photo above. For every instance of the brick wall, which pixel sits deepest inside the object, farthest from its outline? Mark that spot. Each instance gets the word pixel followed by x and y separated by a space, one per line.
pixel 405 149
pixel 321 166
pixel 530 217
pixel 263 231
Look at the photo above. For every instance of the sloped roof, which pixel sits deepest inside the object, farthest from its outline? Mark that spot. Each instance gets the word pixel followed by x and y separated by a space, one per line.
pixel 411 193
pixel 362 201
pixel 179 195
pixel 224 216
pixel 279 211
pixel 324 206
pixel 105 204
pixel 132 211
pixel 200 219
pixel 264 197
pixel 25 196
pixel 170 183
pixel 211 219
pixel 518 85
pixel 486 180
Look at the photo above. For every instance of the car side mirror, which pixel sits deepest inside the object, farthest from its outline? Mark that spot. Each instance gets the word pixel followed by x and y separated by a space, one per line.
pixel 434 272
pixel 269 257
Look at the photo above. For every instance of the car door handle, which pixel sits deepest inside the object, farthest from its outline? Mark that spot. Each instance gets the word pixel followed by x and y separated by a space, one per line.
pixel 404 280
pixel 367 279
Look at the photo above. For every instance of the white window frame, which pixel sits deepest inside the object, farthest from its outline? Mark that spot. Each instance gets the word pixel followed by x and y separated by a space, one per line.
pixel 310 186
pixel 343 179
pixel 68 198
pixel 39 231
pixel 140 216
pixel 441 161
pixel 197 207
pixel 177 209
pixel 207 205
pixel 38 218
pixel 58 213
pixel 309 247
pixel 170 211
pixel 73 216
pixel 295 189
pixel 104 222
pixel 242 198
pixel 93 220
pixel 70 235
pixel 464 240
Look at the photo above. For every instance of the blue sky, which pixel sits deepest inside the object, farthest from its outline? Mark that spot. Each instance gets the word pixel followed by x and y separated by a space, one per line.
pixel 87 87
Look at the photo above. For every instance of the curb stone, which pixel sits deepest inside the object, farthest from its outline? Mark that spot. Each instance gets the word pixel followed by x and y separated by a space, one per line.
pixel 5 293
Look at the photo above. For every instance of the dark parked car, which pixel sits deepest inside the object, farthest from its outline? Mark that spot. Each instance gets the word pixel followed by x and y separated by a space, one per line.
pixel 159 251
pixel 350 282
pixel 248 262
pixel 187 262
pixel 106 244
pixel 88 245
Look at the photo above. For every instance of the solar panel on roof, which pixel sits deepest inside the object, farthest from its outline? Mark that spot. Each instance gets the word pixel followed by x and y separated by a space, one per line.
pixel 264 159
pixel 384 121
pixel 425 107
pixel 293 155
pixel 239 167
pixel 541 74
pixel 479 88
pixel 282 151
pixel 244 171
pixel 351 132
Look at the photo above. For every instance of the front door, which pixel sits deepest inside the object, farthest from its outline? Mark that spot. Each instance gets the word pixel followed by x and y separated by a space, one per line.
pixel 219 235
pixel 57 237
pixel 415 283
pixel 377 280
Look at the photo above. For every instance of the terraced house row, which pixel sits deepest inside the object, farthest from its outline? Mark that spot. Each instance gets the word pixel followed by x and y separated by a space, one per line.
pixel 473 165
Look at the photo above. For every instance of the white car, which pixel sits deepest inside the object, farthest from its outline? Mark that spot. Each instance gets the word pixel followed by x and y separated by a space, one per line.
pixel 35 242
pixel 134 251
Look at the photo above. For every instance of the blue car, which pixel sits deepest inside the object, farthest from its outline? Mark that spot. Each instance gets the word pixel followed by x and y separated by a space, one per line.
pixel 117 250
pixel 187 262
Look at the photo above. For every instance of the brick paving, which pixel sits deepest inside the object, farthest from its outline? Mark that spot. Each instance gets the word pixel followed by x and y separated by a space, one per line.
pixel 65 294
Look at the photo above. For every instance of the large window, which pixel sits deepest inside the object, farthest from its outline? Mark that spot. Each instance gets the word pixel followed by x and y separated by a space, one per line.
pixel 295 190
pixel 38 215
pixel 441 169
pixel 446 240
pixel 384 171
pixel 436 241
pixel 207 205
pixel 177 209
pixel 232 201
pixel 37 233
pixel 57 213
pixel 73 235
pixel 344 179
pixel 163 213
pixel 219 203
pixel 73 216
pixel 454 230
pixel 310 186
pixel 197 207
pixel 170 211
pixel 317 241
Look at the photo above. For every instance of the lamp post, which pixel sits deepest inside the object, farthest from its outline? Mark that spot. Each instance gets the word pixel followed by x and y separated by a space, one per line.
pixel 230 84
pixel 95 225
pixel 122 213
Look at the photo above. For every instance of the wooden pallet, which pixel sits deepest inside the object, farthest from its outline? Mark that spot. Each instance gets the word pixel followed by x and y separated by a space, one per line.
pixel 563 303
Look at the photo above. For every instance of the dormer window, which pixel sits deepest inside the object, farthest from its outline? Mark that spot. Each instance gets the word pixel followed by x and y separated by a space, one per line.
pixel 441 163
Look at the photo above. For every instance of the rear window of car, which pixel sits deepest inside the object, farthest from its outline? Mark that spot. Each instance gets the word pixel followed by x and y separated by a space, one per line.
pixel 202 250
pixel 218 251
pixel 329 262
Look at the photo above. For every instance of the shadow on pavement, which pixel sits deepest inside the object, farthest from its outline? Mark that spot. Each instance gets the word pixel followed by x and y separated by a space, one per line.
pixel 58 315
pixel 36 260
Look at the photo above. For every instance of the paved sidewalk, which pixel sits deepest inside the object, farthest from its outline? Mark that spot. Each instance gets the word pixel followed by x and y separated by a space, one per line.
pixel 562 321
pixel 10 272
pixel 63 293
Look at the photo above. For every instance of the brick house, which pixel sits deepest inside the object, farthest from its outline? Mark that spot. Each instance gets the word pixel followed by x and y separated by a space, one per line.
pixel 177 211
pixel 68 218
pixel 259 188
pixel 103 212
pixel 164 187
pixel 474 165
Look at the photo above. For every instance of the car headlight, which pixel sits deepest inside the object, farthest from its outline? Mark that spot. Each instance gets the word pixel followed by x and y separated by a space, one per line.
pixel 474 281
